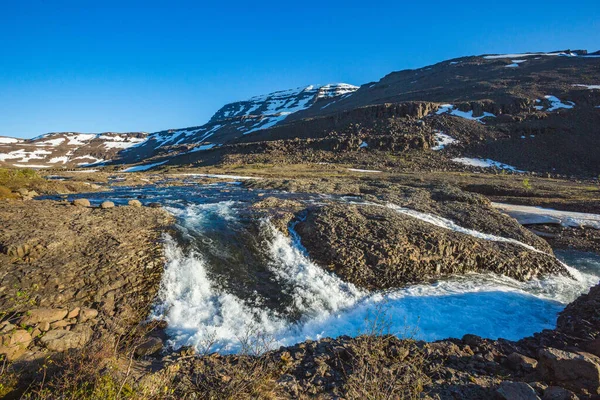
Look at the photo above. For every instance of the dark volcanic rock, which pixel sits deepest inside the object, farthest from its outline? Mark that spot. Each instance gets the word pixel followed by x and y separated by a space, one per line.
pixel 376 247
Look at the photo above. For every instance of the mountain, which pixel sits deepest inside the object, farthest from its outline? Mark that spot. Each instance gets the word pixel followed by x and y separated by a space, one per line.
pixel 65 149
pixel 533 112
pixel 237 119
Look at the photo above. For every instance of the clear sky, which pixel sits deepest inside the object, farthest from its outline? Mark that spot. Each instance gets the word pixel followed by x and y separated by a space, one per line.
pixel 148 65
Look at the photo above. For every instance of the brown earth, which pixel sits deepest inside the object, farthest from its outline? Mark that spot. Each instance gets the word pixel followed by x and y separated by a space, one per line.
pixel 71 272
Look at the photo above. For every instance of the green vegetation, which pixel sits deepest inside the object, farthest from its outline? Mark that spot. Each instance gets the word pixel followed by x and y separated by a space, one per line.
pixel 14 179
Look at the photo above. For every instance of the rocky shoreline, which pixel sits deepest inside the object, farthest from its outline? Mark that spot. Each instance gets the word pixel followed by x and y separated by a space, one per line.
pixel 78 277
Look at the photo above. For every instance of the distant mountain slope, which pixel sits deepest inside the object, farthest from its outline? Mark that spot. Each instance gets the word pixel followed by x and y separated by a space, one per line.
pixel 65 149
pixel 237 119
pixel 507 79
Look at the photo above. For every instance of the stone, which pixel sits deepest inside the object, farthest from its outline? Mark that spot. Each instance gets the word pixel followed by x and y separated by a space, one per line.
pixel 44 326
pixel 85 314
pixel 517 391
pixel 593 347
pixel 518 361
pixel 63 340
pixel 15 343
pixel 81 203
pixel 154 205
pixel 6 326
pixel 558 393
pixel 134 203
pixel 539 387
pixel 149 347
pixel 59 324
pixel 73 313
pixel 107 204
pixel 576 371
pixel 38 315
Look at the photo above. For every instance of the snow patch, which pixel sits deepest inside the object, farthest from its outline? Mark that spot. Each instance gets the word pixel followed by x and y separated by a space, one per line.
pixel 144 167
pixel 527 215
pixel 557 104
pixel 590 87
pixel 452 110
pixel 442 140
pixel 484 163
pixel 8 140
pixel 363 170
pixel 55 160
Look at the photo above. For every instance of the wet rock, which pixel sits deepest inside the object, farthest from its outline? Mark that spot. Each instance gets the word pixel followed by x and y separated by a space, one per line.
pixel 134 203
pixel 377 247
pixel 81 203
pixel 517 391
pixel 39 315
pixel 107 204
pixel 576 371
pixel 154 205
pixel 558 393
pixel 151 346
pixel 14 344
pixel 280 211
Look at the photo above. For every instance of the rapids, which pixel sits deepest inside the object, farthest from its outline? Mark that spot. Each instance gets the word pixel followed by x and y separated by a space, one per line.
pixel 231 281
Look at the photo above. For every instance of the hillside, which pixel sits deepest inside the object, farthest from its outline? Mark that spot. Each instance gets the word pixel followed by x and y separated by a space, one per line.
pixel 521 113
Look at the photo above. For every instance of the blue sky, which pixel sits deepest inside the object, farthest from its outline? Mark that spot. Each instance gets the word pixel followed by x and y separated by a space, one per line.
pixel 149 65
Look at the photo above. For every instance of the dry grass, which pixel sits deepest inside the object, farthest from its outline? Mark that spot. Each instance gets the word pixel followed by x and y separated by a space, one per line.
pixel 13 179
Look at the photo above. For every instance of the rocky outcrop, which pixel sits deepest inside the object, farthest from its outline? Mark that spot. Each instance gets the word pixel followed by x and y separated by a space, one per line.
pixel 80 272
pixel 376 247
pixel 578 371
pixel 279 211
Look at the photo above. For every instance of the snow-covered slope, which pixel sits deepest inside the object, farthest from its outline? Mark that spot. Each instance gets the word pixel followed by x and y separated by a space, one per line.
pixel 240 118
pixel 65 149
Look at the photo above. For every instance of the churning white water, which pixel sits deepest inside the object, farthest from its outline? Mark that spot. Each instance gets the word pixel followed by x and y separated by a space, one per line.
pixel 204 313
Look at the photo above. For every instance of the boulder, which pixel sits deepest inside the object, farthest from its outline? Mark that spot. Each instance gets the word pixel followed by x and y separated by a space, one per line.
pixel 85 314
pixel 73 313
pixel 558 393
pixel 62 340
pixel 576 371
pixel 134 203
pixel 154 205
pixel 107 204
pixel 40 315
pixel 81 203
pixel 14 344
pixel 517 391
pixel 518 361
pixel 377 247
pixel 149 347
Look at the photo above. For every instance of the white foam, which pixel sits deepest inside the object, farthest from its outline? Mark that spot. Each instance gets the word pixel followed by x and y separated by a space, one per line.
pixel 200 313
